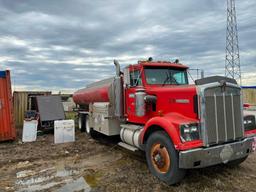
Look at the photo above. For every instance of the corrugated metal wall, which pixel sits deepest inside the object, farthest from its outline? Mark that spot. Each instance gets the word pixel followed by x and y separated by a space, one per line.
pixel 21 104
pixel 249 96
pixel 7 128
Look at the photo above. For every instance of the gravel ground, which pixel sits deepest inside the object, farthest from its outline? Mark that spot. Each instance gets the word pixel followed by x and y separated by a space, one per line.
pixel 100 165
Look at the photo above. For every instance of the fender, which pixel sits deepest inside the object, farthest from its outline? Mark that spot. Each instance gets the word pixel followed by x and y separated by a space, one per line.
pixel 166 124
pixel 169 123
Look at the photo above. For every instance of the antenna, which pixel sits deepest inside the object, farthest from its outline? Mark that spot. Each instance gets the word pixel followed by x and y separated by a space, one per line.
pixel 232 64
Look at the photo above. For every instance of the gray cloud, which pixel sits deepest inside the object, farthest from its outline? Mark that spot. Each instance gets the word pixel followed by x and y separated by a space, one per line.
pixel 63 45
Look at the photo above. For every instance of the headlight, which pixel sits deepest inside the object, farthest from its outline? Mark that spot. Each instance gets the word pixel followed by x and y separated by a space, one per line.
pixel 189 132
pixel 249 122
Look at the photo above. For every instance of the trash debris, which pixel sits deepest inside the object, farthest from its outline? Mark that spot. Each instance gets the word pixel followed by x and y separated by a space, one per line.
pixel 22 164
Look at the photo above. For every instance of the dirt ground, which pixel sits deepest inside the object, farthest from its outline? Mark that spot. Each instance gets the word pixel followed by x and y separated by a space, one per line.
pixel 99 165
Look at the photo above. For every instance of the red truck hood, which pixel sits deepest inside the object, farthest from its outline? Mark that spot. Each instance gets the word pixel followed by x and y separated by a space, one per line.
pixel 179 99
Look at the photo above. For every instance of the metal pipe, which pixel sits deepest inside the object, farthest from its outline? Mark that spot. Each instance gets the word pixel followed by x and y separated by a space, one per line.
pixel 202 74
pixel 117 67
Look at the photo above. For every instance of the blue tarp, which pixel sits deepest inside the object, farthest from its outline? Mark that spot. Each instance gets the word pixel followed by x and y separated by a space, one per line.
pixel 2 74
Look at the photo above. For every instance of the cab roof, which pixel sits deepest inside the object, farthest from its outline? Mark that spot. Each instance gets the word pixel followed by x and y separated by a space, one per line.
pixel 160 64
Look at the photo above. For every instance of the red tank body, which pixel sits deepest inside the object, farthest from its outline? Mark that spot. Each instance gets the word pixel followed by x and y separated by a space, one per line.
pixel 96 92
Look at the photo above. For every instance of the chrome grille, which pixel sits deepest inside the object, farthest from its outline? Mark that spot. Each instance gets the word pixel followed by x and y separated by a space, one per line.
pixel 222 115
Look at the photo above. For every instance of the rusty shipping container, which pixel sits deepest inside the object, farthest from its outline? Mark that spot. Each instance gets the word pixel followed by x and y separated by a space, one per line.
pixel 24 101
pixel 7 128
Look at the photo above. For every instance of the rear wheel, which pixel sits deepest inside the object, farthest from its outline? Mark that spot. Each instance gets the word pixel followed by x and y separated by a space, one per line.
pixel 88 129
pixel 162 158
pixel 81 122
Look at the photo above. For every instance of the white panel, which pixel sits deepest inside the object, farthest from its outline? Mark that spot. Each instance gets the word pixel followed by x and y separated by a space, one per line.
pixel 64 131
pixel 29 131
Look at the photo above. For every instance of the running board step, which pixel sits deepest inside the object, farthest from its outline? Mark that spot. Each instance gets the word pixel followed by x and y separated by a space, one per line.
pixel 127 146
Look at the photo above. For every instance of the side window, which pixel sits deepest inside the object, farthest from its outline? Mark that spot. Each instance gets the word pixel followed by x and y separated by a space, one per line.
pixel 180 78
pixel 135 78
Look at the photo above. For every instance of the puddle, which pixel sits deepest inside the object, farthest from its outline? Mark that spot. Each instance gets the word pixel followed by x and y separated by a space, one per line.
pixel 28 180
pixel 32 188
pixel 33 180
pixel 61 174
pixel 92 179
pixel 65 173
pixel 77 185
pixel 29 177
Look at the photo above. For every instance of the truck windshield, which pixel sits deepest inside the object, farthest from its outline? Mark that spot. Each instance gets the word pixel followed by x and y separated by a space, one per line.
pixel 166 76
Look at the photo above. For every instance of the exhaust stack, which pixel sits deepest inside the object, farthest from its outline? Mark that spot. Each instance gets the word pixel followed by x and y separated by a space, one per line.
pixel 117 68
pixel 118 90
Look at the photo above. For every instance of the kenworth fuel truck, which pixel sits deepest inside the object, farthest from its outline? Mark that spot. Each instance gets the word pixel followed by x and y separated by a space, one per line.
pixel 179 126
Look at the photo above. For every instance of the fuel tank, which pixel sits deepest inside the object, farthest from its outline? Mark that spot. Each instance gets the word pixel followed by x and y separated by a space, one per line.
pixel 100 91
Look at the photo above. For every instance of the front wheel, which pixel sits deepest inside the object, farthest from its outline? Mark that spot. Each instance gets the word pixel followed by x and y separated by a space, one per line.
pixel 162 158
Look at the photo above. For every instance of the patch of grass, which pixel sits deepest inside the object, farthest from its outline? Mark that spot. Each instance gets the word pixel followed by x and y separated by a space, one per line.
pixel 71 115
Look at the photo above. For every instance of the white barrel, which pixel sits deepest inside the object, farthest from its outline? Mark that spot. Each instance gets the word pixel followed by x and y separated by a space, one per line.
pixel 131 136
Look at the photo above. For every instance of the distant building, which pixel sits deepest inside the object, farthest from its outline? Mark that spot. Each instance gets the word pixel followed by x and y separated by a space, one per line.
pixel 67 101
pixel 249 94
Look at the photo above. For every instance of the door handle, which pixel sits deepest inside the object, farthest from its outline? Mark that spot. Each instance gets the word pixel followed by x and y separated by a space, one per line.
pixel 1 104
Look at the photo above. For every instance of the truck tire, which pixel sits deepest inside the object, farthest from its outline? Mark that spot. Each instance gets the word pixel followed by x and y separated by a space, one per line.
pixel 81 122
pixel 163 159
pixel 236 162
pixel 88 129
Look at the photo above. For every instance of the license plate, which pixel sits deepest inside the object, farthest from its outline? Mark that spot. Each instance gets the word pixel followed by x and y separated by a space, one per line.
pixel 254 144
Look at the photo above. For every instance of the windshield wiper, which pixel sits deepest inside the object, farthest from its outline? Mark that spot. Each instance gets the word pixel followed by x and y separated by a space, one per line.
pixel 169 77
pixel 166 79
pixel 176 82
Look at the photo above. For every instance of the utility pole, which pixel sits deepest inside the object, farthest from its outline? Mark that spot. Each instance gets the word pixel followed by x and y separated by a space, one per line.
pixel 201 71
pixel 232 64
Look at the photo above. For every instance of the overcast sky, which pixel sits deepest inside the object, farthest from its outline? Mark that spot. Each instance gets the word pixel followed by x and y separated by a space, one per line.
pixel 66 44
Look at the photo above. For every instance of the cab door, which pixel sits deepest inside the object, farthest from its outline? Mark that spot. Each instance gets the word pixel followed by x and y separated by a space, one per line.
pixel 135 81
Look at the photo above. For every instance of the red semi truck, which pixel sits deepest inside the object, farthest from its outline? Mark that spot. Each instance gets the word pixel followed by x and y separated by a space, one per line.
pixel 179 126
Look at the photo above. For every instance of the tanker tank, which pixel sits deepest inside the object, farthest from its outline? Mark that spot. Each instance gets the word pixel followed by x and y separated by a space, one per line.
pixel 108 90
pixel 100 91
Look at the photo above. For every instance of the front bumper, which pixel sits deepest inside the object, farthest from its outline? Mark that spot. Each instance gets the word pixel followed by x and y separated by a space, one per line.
pixel 205 157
